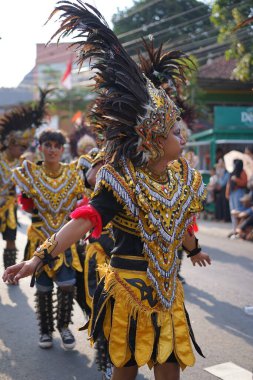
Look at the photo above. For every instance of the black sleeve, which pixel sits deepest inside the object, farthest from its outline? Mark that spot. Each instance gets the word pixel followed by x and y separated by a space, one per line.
pixel 107 205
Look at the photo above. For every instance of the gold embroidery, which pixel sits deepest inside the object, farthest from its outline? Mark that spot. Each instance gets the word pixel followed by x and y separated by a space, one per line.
pixel 162 211
pixel 53 197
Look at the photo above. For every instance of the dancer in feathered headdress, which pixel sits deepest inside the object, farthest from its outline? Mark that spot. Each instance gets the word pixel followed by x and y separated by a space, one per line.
pixel 17 128
pixel 150 198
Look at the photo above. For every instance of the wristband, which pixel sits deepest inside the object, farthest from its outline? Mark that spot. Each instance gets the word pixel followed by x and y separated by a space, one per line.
pixel 43 252
pixel 194 251
pixel 46 248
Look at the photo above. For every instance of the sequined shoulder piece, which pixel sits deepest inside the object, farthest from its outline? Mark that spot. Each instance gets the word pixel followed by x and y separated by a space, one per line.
pixel 192 178
pixel 23 178
pixel 121 184
pixel 84 162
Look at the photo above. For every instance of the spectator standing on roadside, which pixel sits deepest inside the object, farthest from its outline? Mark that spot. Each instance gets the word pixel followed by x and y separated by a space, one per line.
pixel 235 189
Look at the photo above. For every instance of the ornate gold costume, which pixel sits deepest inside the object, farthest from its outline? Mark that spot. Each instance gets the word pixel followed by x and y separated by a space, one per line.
pixel 54 196
pixel 161 213
pixel 7 194
pixel 145 288
pixel 138 303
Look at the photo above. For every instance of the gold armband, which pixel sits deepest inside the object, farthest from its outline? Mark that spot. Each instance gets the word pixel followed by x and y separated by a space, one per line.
pixel 43 252
pixel 46 248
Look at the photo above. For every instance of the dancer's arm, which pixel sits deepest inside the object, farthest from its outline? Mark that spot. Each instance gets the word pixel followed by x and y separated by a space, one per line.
pixel 190 243
pixel 69 234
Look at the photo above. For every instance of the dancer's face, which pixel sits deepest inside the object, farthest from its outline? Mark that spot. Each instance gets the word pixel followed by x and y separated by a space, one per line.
pixel 15 150
pixel 173 144
pixel 52 151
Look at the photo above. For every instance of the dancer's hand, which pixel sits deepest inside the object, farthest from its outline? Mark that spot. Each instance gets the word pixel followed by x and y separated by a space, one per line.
pixel 201 259
pixel 15 272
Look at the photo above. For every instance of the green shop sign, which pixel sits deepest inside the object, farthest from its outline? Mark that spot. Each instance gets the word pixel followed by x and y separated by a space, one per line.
pixel 233 117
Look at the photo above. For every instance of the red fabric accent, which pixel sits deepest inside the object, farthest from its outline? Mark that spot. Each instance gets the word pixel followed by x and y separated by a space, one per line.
pixel 193 227
pixel 83 202
pixel 89 212
pixel 26 203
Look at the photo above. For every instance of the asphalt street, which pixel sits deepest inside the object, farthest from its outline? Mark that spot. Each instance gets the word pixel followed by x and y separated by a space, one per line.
pixel 215 299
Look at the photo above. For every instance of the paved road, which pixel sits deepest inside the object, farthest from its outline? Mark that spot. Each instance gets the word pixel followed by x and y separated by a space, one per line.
pixel 215 298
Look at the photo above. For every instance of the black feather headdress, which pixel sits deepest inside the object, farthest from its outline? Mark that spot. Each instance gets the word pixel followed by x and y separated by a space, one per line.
pixel 169 70
pixel 165 68
pixel 129 109
pixel 18 125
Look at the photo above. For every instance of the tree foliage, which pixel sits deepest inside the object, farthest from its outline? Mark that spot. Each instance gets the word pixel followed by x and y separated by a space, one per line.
pixel 78 98
pixel 226 15
pixel 174 22
pixel 178 24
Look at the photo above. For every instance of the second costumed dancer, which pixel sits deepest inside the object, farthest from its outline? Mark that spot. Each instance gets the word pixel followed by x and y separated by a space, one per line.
pixel 50 190
pixel 149 194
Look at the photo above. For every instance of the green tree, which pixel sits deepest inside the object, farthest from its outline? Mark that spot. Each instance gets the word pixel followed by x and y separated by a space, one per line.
pixel 226 15
pixel 67 100
pixel 78 98
pixel 179 24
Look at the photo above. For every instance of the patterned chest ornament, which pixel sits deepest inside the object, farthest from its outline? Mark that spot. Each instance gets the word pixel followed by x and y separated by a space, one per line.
pixel 6 168
pixel 54 198
pixel 162 212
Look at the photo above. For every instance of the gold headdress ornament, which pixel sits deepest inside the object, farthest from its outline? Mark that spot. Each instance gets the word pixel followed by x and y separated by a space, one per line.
pixel 160 117
pixel 131 110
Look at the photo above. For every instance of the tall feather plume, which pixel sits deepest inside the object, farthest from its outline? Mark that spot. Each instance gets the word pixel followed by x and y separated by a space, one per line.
pixel 188 111
pixel 165 68
pixel 169 70
pixel 40 108
pixel 118 80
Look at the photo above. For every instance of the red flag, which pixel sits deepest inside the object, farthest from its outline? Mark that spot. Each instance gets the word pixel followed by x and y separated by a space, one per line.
pixel 77 118
pixel 66 79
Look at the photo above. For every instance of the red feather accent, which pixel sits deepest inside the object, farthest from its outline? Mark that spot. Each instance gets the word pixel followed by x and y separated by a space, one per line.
pixel 90 213
pixel 193 227
pixel 26 203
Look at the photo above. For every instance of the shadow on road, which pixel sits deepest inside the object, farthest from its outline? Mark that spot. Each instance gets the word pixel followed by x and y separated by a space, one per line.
pixel 227 258
pixel 223 314
pixel 20 356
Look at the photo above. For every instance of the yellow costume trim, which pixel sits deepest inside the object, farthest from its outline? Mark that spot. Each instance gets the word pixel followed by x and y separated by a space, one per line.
pixel 182 342
pixel 93 250
pixel 118 336
pixel 7 193
pixel 116 286
pixel 126 224
pixel 165 346
pixel 131 301
pixel 144 341
pixel 7 214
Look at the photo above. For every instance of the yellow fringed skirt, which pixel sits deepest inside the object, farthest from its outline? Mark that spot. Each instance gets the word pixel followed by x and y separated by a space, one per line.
pixel 95 258
pixel 8 217
pixel 133 321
